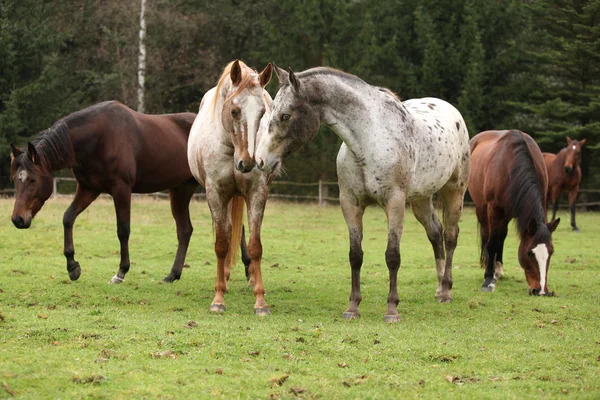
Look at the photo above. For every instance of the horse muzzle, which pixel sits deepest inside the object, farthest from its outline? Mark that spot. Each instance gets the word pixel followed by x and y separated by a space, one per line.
pixel 245 166
pixel 20 222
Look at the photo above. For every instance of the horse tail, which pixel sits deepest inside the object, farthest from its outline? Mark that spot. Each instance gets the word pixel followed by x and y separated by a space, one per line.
pixel 237 223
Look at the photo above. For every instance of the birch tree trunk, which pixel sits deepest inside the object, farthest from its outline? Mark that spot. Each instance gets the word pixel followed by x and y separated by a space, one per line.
pixel 142 58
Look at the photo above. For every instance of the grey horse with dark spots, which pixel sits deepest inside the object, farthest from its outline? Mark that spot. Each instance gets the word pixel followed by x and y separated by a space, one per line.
pixel 393 152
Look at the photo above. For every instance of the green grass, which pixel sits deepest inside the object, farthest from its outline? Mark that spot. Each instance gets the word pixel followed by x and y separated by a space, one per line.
pixel 89 339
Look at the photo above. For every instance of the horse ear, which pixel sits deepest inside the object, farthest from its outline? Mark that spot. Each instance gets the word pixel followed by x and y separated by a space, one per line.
pixel 293 79
pixel 569 140
pixel 236 73
pixel 32 153
pixel 265 75
pixel 582 142
pixel 282 75
pixel 15 151
pixel 552 225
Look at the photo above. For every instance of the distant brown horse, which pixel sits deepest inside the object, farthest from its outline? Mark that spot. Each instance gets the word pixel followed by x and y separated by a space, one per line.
pixel 564 175
pixel 508 180
pixel 111 149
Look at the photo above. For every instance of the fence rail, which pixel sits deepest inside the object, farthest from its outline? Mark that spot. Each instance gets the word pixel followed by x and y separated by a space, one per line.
pixel 321 199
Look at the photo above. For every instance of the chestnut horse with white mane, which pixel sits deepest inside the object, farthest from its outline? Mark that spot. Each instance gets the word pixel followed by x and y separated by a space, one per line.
pixel 220 156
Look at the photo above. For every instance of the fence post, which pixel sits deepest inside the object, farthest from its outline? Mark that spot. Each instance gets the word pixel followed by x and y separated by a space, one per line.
pixel 54 187
pixel 320 193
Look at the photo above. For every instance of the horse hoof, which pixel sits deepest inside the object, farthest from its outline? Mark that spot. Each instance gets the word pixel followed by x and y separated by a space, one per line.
pixel 170 279
pixel 75 273
pixel 218 308
pixel 390 319
pixel 576 230
pixel 262 311
pixel 351 314
pixel 445 299
pixel 489 288
pixel 116 280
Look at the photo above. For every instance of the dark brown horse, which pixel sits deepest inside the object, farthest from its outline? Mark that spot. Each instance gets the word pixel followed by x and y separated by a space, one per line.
pixel 110 149
pixel 509 180
pixel 564 175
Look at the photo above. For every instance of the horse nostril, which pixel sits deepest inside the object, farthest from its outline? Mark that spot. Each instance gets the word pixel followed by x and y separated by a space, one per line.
pixel 19 221
pixel 261 164
pixel 240 166
pixel 568 169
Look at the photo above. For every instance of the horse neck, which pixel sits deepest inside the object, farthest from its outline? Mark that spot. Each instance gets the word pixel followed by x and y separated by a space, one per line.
pixel 350 107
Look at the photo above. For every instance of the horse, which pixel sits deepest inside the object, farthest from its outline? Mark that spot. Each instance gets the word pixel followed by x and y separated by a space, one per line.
pixel 509 180
pixel 564 175
pixel 220 155
pixel 110 149
pixel 393 152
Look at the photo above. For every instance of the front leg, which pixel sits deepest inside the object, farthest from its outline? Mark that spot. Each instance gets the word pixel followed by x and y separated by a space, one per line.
pixel 122 199
pixel 394 209
pixel 353 214
pixel 83 198
pixel 256 208
pixel 572 198
pixel 218 204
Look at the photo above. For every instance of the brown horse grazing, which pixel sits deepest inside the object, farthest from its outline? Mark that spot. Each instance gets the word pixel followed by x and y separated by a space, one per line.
pixel 564 175
pixel 508 180
pixel 110 149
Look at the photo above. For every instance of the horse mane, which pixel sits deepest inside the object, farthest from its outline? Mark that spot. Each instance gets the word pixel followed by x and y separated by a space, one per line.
pixel 54 150
pixel 526 196
pixel 248 80
pixel 344 75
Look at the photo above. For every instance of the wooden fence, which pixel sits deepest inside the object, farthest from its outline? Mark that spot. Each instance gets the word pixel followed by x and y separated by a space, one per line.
pixel 588 198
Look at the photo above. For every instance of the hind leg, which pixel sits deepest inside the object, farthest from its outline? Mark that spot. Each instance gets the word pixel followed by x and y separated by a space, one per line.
pixel 498 225
pixel 83 198
pixel 452 197
pixel 498 265
pixel 180 197
pixel 353 214
pixel 246 258
pixel 425 214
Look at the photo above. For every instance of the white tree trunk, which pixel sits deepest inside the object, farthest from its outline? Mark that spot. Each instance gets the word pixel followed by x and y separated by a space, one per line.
pixel 142 58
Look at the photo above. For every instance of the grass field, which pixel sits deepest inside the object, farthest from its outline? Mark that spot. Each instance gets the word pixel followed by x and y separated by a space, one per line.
pixel 143 339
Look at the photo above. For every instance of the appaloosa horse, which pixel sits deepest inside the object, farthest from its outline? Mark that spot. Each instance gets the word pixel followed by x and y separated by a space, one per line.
pixel 110 149
pixel 564 175
pixel 220 155
pixel 509 180
pixel 393 152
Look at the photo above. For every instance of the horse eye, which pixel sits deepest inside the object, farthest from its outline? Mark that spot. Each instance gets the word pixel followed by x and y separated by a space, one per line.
pixel 235 113
pixel 530 253
pixel 33 180
pixel 285 117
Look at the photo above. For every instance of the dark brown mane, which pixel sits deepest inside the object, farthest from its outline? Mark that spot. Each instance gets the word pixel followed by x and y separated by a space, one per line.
pixel 525 190
pixel 54 150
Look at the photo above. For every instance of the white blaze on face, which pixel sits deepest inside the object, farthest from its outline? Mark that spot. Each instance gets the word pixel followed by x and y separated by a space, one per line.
pixel 574 148
pixel 253 109
pixel 23 175
pixel 541 255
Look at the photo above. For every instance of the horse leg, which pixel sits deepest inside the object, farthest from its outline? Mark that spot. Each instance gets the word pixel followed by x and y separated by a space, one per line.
pixel 353 214
pixel 555 197
pixel 256 208
pixel 394 210
pixel 572 198
pixel 498 265
pixel 122 199
pixel 495 222
pixel 484 231
pixel 246 258
pixel 219 208
pixel 180 197
pixel 425 214
pixel 83 198
pixel 452 198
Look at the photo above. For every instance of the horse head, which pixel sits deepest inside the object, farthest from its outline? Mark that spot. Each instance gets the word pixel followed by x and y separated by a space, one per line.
pixel 293 122
pixel 33 184
pixel 535 251
pixel 246 103
pixel 573 157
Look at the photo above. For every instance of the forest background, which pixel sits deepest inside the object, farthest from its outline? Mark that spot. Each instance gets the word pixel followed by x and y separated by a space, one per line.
pixel 532 65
